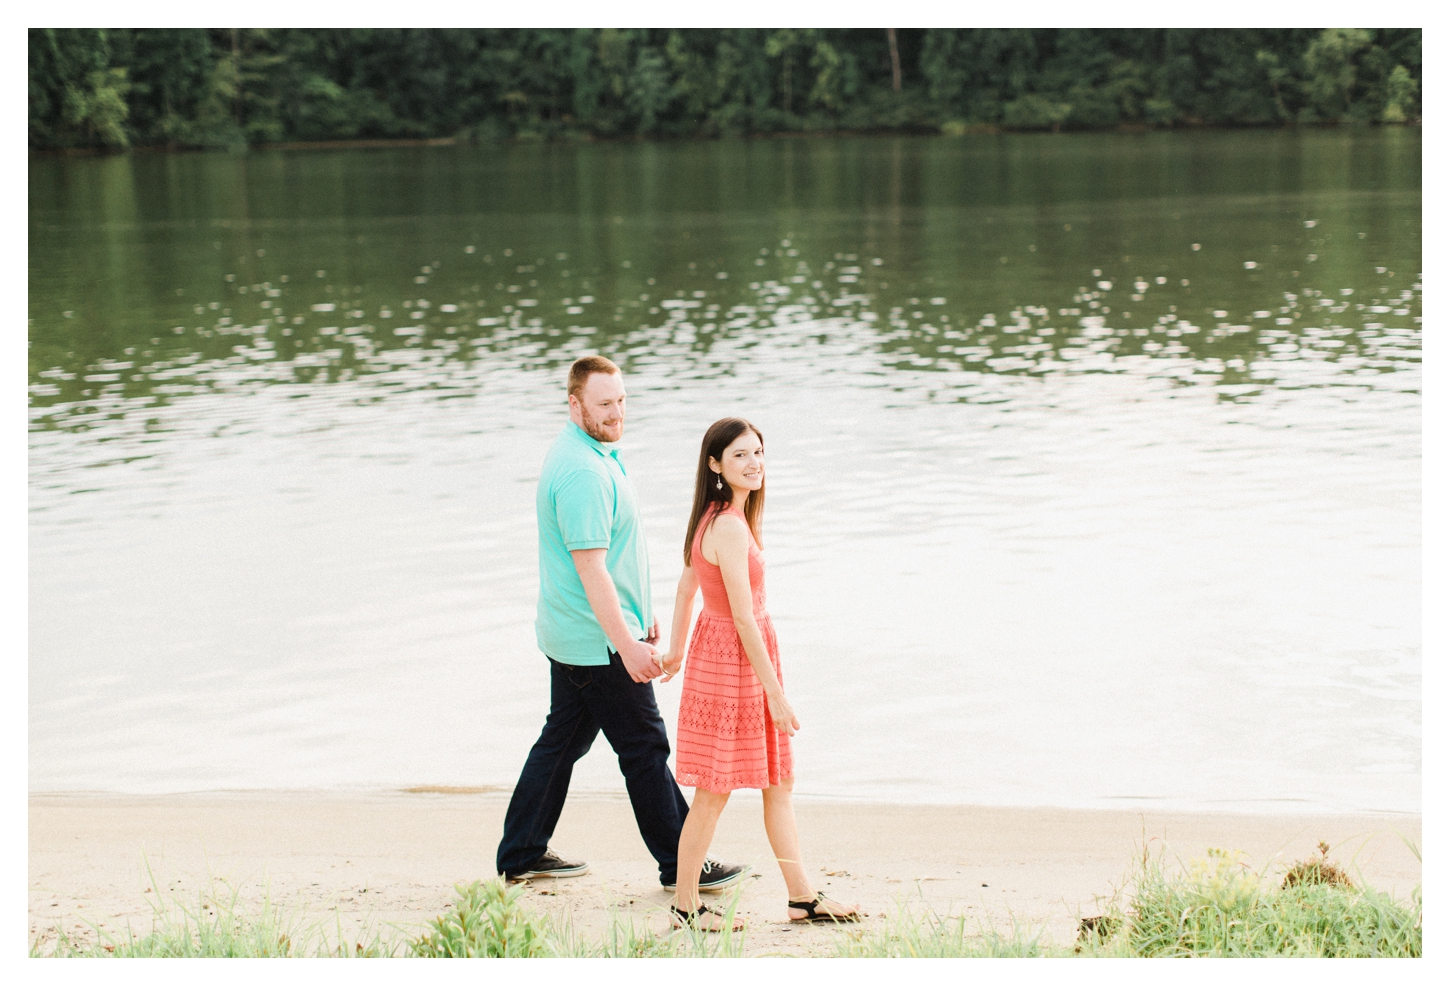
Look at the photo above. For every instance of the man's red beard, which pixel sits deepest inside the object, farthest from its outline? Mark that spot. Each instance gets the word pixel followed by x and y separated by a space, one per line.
pixel 593 429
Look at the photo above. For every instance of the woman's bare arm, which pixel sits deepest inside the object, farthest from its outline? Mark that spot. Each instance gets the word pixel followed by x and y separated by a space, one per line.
pixel 729 540
pixel 680 623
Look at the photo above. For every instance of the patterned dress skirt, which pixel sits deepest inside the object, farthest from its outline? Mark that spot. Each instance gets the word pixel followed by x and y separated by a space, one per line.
pixel 726 739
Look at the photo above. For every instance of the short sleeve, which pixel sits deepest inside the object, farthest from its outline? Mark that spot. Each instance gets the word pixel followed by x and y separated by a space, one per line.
pixel 584 505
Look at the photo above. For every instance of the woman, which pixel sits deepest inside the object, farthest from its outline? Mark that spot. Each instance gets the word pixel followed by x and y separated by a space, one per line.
pixel 735 723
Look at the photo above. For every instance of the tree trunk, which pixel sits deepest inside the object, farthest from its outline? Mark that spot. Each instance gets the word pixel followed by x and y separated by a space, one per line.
pixel 237 76
pixel 895 60
pixel 785 79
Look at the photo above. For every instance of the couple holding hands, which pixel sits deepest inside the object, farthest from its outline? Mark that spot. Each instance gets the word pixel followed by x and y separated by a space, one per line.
pixel 596 627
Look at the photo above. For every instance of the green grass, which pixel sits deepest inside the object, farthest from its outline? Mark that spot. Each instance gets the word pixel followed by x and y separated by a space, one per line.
pixel 912 933
pixel 485 921
pixel 1216 906
pixel 218 927
pixel 488 920
pixel 1223 907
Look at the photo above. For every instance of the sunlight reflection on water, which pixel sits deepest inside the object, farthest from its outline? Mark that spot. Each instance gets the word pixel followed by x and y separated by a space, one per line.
pixel 1037 552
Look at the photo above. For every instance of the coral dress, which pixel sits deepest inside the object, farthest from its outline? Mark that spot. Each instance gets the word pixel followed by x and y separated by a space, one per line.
pixel 726 739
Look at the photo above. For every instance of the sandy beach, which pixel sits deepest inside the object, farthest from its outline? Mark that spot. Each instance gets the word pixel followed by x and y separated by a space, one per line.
pixel 389 860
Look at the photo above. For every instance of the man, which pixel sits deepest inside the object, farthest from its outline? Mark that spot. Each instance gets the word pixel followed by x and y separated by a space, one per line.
pixel 595 625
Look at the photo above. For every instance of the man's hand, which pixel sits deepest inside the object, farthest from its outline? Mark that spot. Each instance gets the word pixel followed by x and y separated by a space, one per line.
pixel 653 637
pixel 641 660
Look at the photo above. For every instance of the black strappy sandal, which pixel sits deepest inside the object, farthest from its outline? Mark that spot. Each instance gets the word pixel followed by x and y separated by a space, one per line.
pixel 818 917
pixel 687 919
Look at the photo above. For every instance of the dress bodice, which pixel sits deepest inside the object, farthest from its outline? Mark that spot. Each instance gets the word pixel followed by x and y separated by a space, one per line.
pixel 712 583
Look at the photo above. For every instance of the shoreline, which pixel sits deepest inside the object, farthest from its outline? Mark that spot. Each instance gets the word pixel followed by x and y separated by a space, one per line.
pixel 389 859
pixel 946 129
pixel 1285 808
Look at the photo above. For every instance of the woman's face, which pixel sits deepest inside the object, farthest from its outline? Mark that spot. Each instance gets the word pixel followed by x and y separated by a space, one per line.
pixel 743 462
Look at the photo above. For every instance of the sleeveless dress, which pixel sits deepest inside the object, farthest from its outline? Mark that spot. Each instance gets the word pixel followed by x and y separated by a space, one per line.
pixel 726 738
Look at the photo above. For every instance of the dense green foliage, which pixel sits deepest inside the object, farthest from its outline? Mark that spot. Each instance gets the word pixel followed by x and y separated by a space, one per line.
pixel 194 87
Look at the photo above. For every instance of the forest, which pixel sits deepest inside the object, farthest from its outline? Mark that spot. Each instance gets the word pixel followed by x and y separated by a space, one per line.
pixel 238 87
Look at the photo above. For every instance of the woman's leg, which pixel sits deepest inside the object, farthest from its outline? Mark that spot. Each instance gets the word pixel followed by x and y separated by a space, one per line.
pixel 785 840
pixel 780 829
pixel 695 838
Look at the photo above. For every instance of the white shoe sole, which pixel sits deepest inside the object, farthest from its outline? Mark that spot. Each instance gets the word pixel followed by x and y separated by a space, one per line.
pixel 550 874
pixel 715 888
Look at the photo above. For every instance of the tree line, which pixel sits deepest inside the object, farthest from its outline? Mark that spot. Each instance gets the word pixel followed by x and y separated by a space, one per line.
pixel 234 87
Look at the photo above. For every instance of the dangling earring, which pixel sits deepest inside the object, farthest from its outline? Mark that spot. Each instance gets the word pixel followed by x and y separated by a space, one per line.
pixel 718 484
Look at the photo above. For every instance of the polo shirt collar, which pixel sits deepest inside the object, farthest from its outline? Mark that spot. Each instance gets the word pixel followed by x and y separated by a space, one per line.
pixel 592 442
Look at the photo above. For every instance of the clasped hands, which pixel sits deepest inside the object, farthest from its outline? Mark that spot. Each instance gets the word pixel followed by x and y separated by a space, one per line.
pixel 644 661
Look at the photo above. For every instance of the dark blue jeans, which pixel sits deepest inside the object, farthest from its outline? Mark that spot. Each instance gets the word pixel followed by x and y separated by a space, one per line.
pixel 583 701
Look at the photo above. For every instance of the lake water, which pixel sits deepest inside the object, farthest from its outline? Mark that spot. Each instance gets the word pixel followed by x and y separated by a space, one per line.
pixel 1094 459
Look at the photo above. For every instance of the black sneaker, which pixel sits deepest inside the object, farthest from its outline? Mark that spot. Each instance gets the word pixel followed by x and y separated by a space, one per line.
pixel 551 864
pixel 715 876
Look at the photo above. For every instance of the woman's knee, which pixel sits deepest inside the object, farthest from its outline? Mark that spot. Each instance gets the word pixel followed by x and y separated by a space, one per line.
pixel 709 804
pixel 778 791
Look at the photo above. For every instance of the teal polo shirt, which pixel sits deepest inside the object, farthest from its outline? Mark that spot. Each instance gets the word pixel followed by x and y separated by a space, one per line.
pixel 585 500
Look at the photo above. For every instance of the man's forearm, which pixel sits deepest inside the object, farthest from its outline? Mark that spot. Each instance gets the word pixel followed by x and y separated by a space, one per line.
pixel 604 601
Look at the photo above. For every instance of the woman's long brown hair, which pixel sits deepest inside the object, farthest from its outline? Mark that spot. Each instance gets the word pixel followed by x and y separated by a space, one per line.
pixel 717 439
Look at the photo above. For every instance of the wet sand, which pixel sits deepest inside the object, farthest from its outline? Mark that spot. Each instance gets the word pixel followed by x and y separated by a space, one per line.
pixel 389 860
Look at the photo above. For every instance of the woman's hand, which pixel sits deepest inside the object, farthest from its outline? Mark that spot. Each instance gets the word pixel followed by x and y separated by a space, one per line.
pixel 671 664
pixel 782 714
